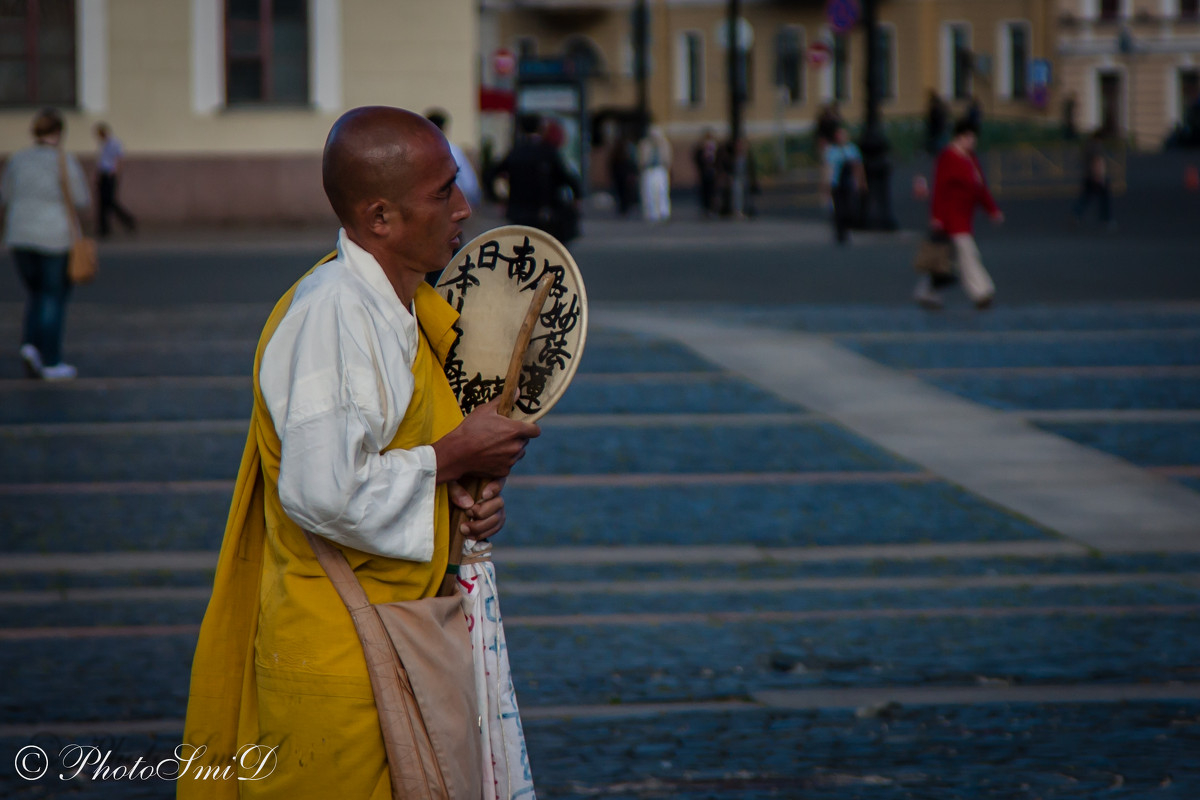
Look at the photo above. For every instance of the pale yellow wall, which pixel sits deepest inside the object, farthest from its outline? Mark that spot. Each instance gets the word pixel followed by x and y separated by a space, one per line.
pixel 414 54
pixel 916 23
pixel 411 53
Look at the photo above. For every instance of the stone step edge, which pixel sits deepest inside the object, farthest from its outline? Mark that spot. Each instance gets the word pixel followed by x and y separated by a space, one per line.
pixel 867 702
pixel 206 560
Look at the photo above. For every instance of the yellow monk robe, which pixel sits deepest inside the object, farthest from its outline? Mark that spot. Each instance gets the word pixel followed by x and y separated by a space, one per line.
pixel 271 601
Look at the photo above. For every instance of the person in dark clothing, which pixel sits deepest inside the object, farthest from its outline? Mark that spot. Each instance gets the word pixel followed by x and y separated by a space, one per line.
pixel 935 124
pixel 542 192
pixel 108 168
pixel 1095 181
pixel 624 174
pixel 737 177
pixel 707 158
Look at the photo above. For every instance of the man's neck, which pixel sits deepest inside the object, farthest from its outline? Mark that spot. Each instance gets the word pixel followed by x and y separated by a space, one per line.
pixel 405 282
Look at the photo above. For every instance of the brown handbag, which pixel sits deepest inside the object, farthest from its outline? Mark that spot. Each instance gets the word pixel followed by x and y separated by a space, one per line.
pixel 934 256
pixel 422 674
pixel 82 262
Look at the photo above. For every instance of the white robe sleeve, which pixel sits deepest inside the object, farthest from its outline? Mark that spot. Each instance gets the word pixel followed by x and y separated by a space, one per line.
pixel 337 387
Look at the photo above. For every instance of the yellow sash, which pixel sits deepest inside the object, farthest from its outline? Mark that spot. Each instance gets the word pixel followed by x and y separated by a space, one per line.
pixel 278 663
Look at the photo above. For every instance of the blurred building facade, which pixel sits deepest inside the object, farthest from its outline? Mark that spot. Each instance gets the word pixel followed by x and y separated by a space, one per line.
pixel 794 62
pixel 223 105
pixel 1132 66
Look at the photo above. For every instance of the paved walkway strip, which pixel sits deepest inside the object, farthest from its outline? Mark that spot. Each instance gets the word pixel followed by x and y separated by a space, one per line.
pixel 1106 415
pixel 875 697
pixel 148 594
pixel 607 480
pixel 1079 492
pixel 869 700
pixel 681 618
pixel 1059 372
pixel 1006 336
pixel 198 560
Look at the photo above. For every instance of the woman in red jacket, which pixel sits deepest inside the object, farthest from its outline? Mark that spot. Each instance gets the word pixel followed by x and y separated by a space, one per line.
pixel 958 187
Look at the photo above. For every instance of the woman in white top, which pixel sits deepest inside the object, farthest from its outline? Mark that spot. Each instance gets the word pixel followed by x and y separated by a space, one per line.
pixel 37 229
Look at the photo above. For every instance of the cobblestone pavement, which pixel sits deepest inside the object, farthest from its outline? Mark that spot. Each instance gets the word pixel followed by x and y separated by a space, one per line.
pixel 711 590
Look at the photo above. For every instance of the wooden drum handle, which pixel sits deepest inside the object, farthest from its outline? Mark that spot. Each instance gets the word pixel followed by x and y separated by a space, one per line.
pixel 508 399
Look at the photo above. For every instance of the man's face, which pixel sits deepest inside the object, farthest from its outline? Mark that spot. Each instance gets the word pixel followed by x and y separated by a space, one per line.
pixel 432 210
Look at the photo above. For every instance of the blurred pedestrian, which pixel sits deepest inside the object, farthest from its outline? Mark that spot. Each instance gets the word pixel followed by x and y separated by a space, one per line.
pixel 738 178
pixel 108 170
pixel 654 163
pixel 38 224
pixel 566 215
pixel 845 182
pixel 537 179
pixel 974 114
pixel 1095 181
pixel 1070 132
pixel 958 188
pixel 467 180
pixel 936 116
pixel 706 155
pixel 622 167
pixel 828 122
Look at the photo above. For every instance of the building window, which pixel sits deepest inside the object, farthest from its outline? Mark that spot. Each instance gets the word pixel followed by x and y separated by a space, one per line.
pixel 1110 10
pixel 689 80
pixel 841 67
pixel 1189 9
pixel 789 64
pixel 885 61
pixel 37 52
pixel 266 52
pixel 1017 59
pixel 959 52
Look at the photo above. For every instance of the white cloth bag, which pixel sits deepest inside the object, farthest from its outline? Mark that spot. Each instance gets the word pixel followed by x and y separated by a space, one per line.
pixel 506 773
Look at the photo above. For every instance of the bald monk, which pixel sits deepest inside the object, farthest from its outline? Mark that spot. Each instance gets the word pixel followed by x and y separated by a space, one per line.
pixel 357 437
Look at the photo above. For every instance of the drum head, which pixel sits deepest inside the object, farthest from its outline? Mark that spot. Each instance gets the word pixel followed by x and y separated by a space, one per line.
pixel 491 283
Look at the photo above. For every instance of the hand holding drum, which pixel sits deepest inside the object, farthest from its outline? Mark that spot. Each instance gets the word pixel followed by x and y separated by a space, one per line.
pixel 522 328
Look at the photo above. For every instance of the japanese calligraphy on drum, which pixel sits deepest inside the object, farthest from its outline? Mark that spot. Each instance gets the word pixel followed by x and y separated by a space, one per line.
pixel 490 283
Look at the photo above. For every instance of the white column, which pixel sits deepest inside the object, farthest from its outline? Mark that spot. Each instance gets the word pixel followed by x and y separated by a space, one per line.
pixel 91 43
pixel 208 70
pixel 325 34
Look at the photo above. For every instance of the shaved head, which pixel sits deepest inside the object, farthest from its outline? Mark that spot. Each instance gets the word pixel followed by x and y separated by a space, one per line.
pixel 372 154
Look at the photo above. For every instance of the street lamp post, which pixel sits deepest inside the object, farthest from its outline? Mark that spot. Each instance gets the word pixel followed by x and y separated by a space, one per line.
pixel 874 143
pixel 640 58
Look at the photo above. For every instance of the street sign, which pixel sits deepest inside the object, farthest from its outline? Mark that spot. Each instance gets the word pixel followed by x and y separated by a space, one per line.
pixel 504 62
pixel 818 54
pixel 843 14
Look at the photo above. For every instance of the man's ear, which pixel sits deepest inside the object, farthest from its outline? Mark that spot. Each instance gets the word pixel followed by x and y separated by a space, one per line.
pixel 378 216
